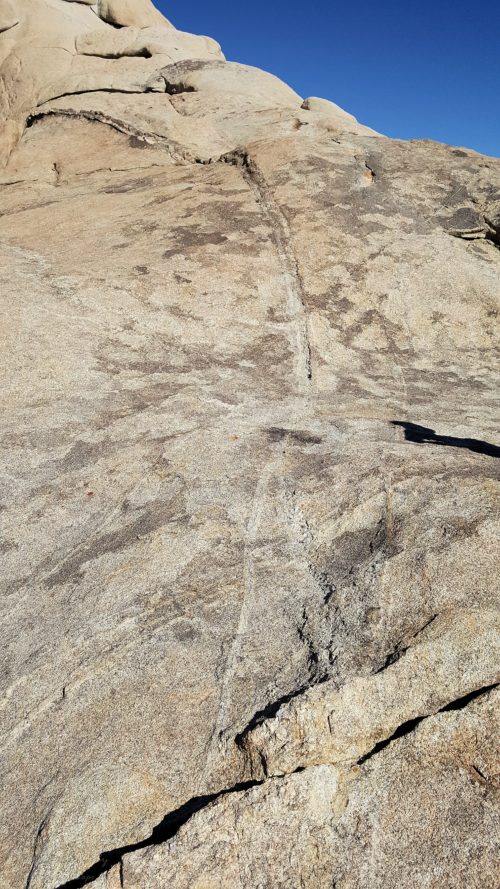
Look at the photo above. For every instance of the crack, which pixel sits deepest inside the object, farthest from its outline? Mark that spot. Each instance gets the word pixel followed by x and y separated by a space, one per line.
pixel 268 712
pixel 422 435
pixel 493 234
pixel 170 825
pixel 482 777
pixel 8 27
pixel 38 836
pixel 401 648
pixel 327 586
pixel 167 828
pixel 314 651
pixel 281 237
pixel 406 728
pixel 247 604
pixel 103 89
pixel 173 149
pixel 463 702
pixel 369 175
pixel 122 54
pixel 175 89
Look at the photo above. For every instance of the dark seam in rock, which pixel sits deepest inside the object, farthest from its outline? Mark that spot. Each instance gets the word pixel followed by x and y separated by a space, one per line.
pixel 103 89
pixel 284 249
pixel 173 149
pixel 268 712
pixel 422 435
pixel 172 823
pixel 401 648
pixel 493 237
pixel 8 28
pixel 408 727
pixel 130 54
pixel 164 831
pixel 463 702
pixel 480 774
pixel 175 89
pixel 35 849
pixel 313 652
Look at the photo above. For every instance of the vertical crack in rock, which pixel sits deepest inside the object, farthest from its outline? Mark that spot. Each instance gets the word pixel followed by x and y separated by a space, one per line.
pixel 247 602
pixel 283 245
pixel 38 837
pixel 315 630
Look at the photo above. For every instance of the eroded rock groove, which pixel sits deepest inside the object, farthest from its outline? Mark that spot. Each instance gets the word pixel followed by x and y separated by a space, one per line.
pixel 283 241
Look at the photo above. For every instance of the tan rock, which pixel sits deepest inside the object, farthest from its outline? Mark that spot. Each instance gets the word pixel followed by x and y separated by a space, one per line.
pixel 457 655
pixel 49 54
pixel 8 16
pixel 249 476
pixel 421 813
pixel 131 13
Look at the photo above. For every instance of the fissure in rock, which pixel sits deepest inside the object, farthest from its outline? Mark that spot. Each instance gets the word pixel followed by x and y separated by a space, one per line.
pixel 164 831
pixel 282 239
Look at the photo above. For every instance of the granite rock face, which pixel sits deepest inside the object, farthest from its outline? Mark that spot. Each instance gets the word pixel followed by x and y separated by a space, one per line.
pixel 249 504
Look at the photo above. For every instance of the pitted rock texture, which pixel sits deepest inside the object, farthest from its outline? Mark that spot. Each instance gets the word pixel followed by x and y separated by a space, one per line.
pixel 249 504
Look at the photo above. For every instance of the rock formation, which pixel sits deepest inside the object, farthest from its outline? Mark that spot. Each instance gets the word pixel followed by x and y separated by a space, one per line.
pixel 250 464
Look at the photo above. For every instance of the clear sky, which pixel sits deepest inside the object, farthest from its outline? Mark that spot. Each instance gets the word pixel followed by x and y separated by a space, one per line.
pixel 420 69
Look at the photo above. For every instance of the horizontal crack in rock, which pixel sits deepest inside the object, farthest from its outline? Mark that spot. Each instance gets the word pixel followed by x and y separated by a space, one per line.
pixel 328 725
pixel 269 711
pixel 173 149
pixel 174 821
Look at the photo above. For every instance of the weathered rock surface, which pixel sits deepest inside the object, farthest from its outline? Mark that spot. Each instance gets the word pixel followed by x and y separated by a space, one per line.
pixel 250 450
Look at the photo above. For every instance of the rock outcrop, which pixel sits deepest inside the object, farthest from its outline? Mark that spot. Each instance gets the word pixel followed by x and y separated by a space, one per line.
pixel 250 476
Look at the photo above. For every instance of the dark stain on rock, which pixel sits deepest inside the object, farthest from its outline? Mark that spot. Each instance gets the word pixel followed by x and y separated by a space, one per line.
pixel 81 454
pixel 158 514
pixel 184 631
pixel 134 185
pixel 276 434
pixel 465 220
pixel 6 546
pixel 135 142
pixel 187 238
pixel 188 66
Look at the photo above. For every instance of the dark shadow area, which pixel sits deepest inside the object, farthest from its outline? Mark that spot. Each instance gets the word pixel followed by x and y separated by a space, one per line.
pixel 460 703
pixel 405 729
pixel 422 435
pixel 165 830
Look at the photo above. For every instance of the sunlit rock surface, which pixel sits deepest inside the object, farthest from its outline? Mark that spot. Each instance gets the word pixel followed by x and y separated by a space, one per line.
pixel 250 476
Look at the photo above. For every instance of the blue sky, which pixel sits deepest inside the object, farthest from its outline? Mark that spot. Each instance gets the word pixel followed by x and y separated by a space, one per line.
pixel 423 69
